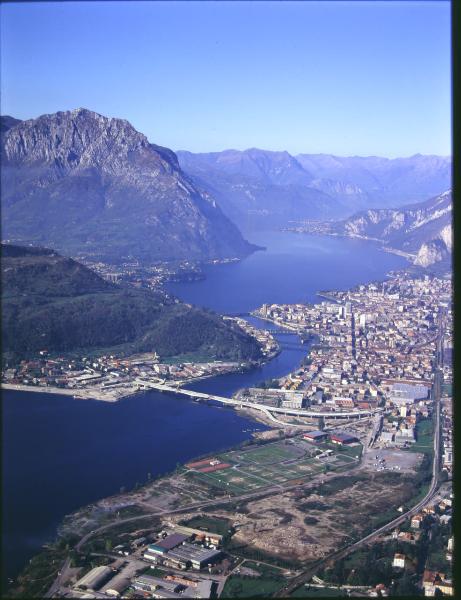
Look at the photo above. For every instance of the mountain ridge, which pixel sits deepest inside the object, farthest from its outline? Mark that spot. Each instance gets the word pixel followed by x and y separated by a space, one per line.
pixel 422 230
pixel 272 184
pixel 78 181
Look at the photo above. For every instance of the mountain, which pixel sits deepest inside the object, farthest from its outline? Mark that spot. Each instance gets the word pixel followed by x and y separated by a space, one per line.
pixel 84 183
pixel 258 187
pixel 55 303
pixel 7 122
pixel 386 182
pixel 272 188
pixel 270 168
pixel 422 230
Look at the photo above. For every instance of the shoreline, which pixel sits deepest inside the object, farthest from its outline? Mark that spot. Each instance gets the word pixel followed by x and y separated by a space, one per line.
pixel 78 394
pixel 102 395
pixel 292 328
pixel 410 257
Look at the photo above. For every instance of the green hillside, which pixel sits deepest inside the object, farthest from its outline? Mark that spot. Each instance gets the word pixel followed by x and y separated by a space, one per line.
pixel 55 303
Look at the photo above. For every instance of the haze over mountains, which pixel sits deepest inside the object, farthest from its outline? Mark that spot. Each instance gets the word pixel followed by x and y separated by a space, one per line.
pixel 423 229
pixel 77 181
pixel 263 187
pixel 85 184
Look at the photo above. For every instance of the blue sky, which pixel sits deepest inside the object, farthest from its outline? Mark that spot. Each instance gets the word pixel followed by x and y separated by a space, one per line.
pixel 365 78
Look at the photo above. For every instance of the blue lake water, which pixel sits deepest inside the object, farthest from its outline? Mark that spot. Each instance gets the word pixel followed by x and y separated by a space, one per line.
pixel 60 453
pixel 293 268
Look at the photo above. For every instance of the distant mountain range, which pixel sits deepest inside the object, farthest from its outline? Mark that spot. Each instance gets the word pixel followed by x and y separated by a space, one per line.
pixel 55 303
pixel 269 188
pixel 85 184
pixel 421 230
pixel 81 182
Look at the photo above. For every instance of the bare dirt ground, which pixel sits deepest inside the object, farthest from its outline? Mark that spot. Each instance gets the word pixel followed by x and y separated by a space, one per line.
pixel 306 525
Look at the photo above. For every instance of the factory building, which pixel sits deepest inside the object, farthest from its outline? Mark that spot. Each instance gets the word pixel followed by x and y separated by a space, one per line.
pixel 198 534
pixel 404 393
pixel 191 555
pixel 343 438
pixel 162 546
pixel 315 436
pixel 148 583
pixel 163 593
pixel 95 578
pixel 116 586
pixel 277 398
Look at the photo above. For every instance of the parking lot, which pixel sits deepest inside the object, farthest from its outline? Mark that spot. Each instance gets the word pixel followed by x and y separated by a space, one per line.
pixel 400 461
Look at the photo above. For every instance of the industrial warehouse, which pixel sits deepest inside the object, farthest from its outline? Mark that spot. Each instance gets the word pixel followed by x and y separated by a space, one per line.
pixel 177 547
pixel 175 551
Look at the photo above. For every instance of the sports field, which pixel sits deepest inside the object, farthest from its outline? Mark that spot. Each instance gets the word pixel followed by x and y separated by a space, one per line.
pixel 277 463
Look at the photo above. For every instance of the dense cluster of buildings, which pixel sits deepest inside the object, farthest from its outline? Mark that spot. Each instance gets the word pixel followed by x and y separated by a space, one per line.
pixel 275 397
pixel 135 274
pixel 406 405
pixel 369 341
pixel 108 372
pixel 177 557
pixel 133 373
pixel 447 401
pixel 433 583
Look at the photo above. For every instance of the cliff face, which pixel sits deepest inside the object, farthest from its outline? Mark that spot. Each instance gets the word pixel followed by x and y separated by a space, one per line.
pixel 82 182
pixel 431 252
pixel 422 229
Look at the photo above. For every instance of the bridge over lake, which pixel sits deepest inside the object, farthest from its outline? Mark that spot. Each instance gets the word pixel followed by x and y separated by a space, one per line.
pixel 267 410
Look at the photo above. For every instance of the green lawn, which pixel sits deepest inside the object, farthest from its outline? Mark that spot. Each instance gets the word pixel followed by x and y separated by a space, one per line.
pixel 266 454
pixel 251 587
pixel 424 437
pixel 262 466
pixel 219 526
pixel 447 389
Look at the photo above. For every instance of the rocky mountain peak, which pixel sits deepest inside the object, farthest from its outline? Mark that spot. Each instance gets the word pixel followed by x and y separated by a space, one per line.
pixel 73 139
pixel 77 177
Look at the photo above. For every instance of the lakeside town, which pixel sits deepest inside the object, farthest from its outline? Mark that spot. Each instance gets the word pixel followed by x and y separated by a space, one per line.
pixel 367 417
pixel 112 378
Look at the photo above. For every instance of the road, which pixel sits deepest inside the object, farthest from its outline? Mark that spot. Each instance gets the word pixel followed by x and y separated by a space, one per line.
pixel 286 411
pixel 269 491
pixel 306 576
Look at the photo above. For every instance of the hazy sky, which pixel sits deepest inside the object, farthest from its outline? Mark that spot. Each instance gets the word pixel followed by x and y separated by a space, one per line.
pixel 336 77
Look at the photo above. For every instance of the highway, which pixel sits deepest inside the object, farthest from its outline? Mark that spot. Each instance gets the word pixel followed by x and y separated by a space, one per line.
pixel 286 411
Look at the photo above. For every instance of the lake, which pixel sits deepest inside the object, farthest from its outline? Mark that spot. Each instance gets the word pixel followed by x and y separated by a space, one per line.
pixel 60 453
pixel 293 268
